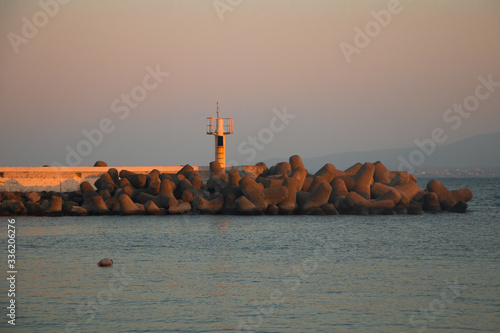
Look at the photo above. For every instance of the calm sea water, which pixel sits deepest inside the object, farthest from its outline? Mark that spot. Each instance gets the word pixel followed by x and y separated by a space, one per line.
pixel 430 273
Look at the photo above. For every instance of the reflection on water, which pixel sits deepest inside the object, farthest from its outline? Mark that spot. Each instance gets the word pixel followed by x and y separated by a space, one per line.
pixel 265 274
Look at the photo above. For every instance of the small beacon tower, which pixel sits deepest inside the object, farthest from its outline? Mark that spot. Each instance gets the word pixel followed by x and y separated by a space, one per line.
pixel 220 127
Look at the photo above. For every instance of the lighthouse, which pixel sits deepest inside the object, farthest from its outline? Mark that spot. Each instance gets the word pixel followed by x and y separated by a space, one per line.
pixel 220 127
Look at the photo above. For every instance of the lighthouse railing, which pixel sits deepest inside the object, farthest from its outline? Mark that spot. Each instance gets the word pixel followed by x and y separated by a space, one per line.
pixel 212 126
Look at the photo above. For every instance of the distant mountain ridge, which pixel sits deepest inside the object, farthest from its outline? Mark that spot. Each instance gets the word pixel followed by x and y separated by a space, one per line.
pixel 480 151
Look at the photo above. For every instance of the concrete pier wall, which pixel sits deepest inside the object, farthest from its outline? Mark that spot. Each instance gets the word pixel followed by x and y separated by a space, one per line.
pixel 63 179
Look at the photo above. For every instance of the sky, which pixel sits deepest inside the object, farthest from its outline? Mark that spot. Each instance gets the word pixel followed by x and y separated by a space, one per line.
pixel 132 82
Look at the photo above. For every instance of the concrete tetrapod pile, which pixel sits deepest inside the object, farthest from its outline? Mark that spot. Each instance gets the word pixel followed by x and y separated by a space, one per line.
pixel 283 189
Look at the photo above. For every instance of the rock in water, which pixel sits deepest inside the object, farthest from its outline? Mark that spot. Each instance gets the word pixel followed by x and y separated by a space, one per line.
pixel 464 194
pixel 106 262
pixel 351 171
pixel 329 209
pixel 272 209
pixel 460 207
pixel 415 210
pixel 55 207
pixel 33 197
pixel 275 195
pixel 99 206
pixel 208 206
pixel 100 164
pixel 234 177
pixel 246 207
pixel 152 208
pixel 12 207
pixel 300 175
pixel 318 198
pixel 128 207
pixel 78 211
pixel 364 179
pixel 431 202
pixel 35 209
pixel 400 179
pixel 254 192
pixel 327 172
pixel 409 189
pixel 295 162
pixel 289 205
pixel 283 168
pixel 105 182
pixel 381 174
pixel 379 189
pixel 179 208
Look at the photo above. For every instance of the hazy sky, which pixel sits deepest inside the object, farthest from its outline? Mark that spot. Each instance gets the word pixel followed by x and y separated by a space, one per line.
pixel 73 73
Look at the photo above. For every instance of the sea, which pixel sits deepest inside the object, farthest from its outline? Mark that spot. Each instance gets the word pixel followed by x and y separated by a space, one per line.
pixel 430 273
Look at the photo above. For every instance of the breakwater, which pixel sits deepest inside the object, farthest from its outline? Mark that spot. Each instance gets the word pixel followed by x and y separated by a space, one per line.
pixel 285 188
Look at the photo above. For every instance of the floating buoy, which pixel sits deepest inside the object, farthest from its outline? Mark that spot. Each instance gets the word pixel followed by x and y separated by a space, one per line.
pixel 106 262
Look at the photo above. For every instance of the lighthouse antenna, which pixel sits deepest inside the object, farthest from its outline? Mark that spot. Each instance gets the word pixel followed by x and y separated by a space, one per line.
pixel 217 109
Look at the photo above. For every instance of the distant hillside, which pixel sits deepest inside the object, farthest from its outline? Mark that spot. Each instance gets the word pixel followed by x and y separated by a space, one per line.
pixel 481 151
